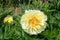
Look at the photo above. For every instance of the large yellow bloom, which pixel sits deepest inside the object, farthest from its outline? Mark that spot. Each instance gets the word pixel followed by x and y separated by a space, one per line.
pixel 8 19
pixel 33 22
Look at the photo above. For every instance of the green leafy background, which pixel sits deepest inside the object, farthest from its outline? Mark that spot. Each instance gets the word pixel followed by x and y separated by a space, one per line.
pixel 16 8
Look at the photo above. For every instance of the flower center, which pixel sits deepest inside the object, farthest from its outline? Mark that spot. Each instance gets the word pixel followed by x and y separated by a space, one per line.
pixel 33 22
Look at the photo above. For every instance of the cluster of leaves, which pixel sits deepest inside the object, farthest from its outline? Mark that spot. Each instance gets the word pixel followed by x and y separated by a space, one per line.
pixel 14 31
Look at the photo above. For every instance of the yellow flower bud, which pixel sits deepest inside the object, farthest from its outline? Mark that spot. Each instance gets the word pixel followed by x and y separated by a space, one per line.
pixel 8 19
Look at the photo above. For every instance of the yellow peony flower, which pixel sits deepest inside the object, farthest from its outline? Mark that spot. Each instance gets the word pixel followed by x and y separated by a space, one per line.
pixel 8 19
pixel 33 22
